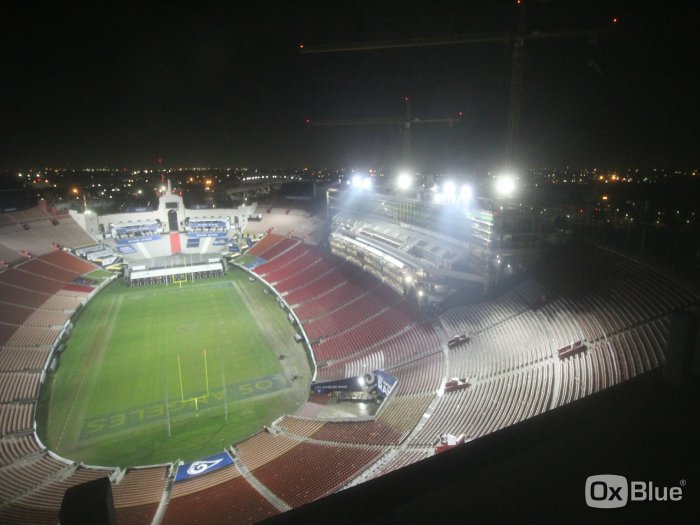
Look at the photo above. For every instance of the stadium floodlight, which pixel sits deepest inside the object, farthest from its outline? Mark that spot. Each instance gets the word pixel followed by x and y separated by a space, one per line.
pixel 449 191
pixel 404 181
pixel 505 185
pixel 465 193
pixel 408 279
pixel 361 182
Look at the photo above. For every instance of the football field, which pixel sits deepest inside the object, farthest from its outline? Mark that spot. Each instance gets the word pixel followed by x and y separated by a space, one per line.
pixel 156 374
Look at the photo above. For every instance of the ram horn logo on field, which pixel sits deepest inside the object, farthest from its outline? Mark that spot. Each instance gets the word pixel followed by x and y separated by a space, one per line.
pixel 202 466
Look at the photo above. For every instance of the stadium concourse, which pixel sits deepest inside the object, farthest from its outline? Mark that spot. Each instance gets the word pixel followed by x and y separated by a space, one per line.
pixel 578 323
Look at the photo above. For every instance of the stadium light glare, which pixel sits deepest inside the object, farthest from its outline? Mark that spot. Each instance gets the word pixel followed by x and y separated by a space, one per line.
pixel 404 181
pixel 449 191
pixel 505 185
pixel 465 193
pixel 361 182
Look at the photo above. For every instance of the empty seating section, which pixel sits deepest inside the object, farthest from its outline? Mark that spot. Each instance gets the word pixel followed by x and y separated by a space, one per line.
pixel 63 302
pixel 16 417
pixel 313 272
pixel 375 432
pixel 48 318
pixel 45 500
pixel 310 470
pixel 224 496
pixel 281 263
pixel 33 336
pixel 322 285
pixel 401 459
pixel 34 310
pixel 264 244
pixel 368 332
pixel 417 341
pixel 19 386
pixel 18 277
pixel 640 349
pixel 490 405
pixel 345 317
pixel 14 358
pixel 15 295
pixel 137 495
pixel 477 317
pixel 47 271
pixel 6 331
pixel 278 249
pixel 513 343
pixel 8 254
pixel 300 426
pixel 402 413
pixel 420 376
pixel 69 262
pixel 13 448
pixel 339 295
pixel 24 476
pixel 263 448
pixel 13 314
pixel 308 258
pixel 43 234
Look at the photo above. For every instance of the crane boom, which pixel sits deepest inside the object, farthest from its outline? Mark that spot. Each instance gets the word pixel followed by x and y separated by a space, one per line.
pixel 445 41
pixel 516 39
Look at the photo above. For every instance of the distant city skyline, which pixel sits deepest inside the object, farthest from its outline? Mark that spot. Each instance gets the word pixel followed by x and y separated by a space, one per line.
pixel 225 85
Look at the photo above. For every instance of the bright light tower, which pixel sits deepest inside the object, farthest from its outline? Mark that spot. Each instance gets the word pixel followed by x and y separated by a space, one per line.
pixel 361 182
pixel 465 193
pixel 404 181
pixel 449 191
pixel 505 185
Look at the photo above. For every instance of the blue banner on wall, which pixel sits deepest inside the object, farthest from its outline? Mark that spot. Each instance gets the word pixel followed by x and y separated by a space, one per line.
pixel 194 223
pixel 377 380
pixel 202 466
pixel 134 240
pixel 126 249
pixel 350 384
pixel 202 235
pixel 385 382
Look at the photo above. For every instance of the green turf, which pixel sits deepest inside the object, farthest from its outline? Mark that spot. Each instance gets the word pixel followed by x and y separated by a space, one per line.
pixel 99 275
pixel 244 259
pixel 106 403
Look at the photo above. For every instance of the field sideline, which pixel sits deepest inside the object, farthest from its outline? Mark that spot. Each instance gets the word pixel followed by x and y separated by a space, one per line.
pixel 134 348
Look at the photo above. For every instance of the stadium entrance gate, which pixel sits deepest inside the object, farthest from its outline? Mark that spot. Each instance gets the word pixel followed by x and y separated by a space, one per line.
pixel 172 221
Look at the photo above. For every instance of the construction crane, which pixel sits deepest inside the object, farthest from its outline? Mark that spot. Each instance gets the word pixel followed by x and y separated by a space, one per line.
pixel 406 123
pixel 516 39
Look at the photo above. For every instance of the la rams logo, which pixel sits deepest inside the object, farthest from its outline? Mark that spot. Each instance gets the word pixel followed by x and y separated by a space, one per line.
pixel 199 467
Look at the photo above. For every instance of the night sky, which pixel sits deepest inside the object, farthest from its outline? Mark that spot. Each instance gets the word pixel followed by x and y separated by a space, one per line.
pixel 224 84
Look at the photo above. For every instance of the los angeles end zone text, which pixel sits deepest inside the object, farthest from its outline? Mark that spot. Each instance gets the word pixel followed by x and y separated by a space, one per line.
pixel 155 412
